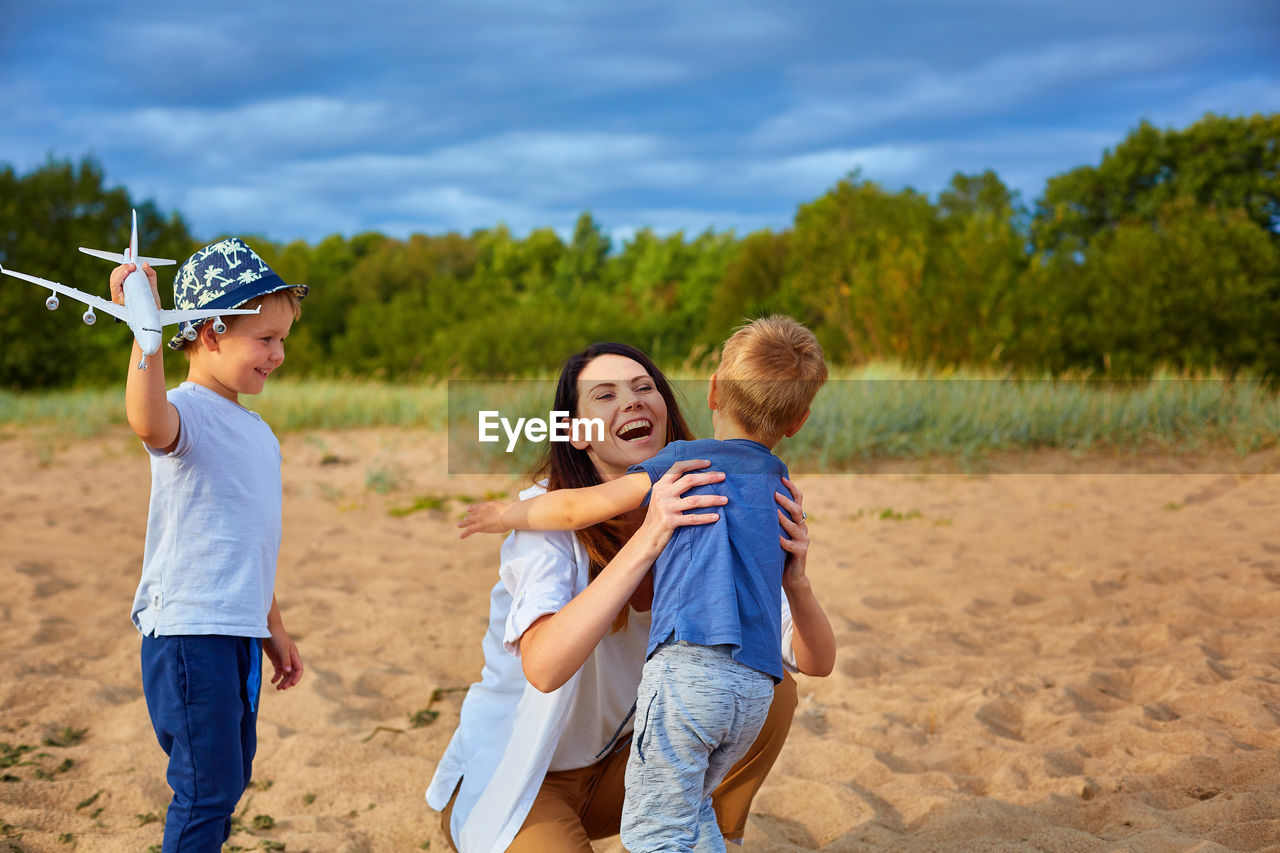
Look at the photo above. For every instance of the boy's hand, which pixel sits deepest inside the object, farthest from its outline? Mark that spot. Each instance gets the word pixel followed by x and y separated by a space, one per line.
pixel 285 659
pixel 120 273
pixel 795 522
pixel 484 518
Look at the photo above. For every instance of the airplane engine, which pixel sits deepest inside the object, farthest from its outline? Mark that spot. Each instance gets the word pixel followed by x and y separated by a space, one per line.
pixel 219 327
pixel 190 333
pixel 51 303
pixel 89 318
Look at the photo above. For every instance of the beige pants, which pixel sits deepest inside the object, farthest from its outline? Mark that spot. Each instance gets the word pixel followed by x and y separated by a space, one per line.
pixel 575 806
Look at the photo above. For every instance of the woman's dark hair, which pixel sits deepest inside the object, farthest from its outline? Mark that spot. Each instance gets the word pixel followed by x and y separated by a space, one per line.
pixel 564 466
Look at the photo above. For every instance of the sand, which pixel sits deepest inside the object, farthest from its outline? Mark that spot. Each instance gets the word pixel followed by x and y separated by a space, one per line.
pixel 1061 661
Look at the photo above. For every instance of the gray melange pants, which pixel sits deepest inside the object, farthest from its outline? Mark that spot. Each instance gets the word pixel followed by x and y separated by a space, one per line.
pixel 697 712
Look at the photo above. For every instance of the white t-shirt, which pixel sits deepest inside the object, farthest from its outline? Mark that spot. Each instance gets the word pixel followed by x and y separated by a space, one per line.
pixel 213 526
pixel 606 695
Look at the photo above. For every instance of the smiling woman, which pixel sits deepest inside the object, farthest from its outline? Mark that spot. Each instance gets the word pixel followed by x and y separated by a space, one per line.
pixel 538 759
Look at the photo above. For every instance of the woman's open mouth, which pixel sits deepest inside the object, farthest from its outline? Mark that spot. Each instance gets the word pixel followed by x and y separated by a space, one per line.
pixel 635 430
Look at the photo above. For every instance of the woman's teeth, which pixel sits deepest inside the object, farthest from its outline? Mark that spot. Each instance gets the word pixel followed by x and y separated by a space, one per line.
pixel 635 430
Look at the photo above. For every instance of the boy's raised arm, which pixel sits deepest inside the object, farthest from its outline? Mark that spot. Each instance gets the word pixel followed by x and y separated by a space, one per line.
pixel 150 414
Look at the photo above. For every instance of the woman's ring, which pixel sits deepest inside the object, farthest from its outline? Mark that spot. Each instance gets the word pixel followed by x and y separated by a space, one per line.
pixel 804 516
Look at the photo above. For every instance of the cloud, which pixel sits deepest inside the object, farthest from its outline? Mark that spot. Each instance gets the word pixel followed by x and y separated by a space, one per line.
pixel 1234 97
pixel 861 97
pixel 805 175
pixel 292 125
pixel 723 113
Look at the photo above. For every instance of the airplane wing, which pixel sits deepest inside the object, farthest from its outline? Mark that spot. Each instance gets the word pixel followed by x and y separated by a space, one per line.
pixel 95 302
pixel 168 318
pixel 121 259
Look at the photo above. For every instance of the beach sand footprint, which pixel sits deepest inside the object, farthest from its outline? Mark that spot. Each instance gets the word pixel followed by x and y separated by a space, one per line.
pixel 46 582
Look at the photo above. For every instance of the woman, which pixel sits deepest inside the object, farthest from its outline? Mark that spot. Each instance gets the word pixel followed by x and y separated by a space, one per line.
pixel 538 758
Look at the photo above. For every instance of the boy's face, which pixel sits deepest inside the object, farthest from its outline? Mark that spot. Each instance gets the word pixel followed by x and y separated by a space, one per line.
pixel 621 393
pixel 239 360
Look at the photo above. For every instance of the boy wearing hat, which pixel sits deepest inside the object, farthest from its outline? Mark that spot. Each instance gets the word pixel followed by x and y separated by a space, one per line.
pixel 205 606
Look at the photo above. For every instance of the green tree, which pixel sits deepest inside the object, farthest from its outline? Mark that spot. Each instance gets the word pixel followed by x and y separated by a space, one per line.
pixel 968 308
pixel 1197 291
pixel 1162 253
pixel 1220 162
pixel 752 285
pixel 44 216
pixel 582 263
pixel 667 285
pixel 860 257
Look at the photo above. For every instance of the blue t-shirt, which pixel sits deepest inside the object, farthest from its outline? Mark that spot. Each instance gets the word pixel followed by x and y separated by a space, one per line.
pixel 721 583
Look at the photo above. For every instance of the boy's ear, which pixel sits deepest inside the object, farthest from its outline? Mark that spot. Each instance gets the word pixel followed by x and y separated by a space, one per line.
pixel 208 338
pixel 713 394
pixel 799 423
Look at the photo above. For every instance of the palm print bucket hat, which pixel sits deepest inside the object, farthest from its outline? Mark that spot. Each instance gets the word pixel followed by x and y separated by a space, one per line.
pixel 225 274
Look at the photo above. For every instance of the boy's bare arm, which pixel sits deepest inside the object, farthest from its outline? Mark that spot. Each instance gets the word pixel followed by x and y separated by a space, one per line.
pixel 561 509
pixel 152 416
pixel 282 651
pixel 574 509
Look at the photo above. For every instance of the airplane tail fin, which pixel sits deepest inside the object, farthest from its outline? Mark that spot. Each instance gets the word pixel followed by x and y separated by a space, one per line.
pixel 130 255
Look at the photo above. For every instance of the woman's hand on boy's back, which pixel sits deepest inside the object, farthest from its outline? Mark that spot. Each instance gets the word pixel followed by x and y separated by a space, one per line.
pixel 812 639
pixel 795 523
pixel 667 503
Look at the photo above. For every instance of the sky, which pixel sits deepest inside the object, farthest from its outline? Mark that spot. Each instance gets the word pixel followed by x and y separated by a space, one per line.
pixel 300 120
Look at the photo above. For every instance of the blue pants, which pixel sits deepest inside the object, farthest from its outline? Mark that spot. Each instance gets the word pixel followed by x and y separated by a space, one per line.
pixel 198 696
pixel 698 712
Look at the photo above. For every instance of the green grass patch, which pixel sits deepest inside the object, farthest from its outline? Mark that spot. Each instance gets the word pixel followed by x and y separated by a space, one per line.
pixel 11 756
pixel 434 503
pixel 65 737
pixel 876 413
pixel 85 803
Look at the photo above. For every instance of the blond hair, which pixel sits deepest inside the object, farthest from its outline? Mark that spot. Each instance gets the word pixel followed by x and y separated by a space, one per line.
pixel 770 370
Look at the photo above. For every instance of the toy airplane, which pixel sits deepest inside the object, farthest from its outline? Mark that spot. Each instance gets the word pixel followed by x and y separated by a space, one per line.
pixel 139 311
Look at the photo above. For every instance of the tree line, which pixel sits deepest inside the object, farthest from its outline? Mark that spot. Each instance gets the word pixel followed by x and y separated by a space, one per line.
pixel 1166 254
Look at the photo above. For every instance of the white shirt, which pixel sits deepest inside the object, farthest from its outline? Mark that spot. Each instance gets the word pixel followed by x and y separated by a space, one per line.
pixel 508 731
pixel 213 525
pixel 606 695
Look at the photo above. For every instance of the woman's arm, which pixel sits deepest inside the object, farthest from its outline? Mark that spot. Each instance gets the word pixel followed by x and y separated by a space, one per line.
pixel 556 645
pixel 812 639
pixel 574 509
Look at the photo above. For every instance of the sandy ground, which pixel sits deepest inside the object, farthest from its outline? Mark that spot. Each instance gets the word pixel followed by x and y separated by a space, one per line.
pixel 1061 662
